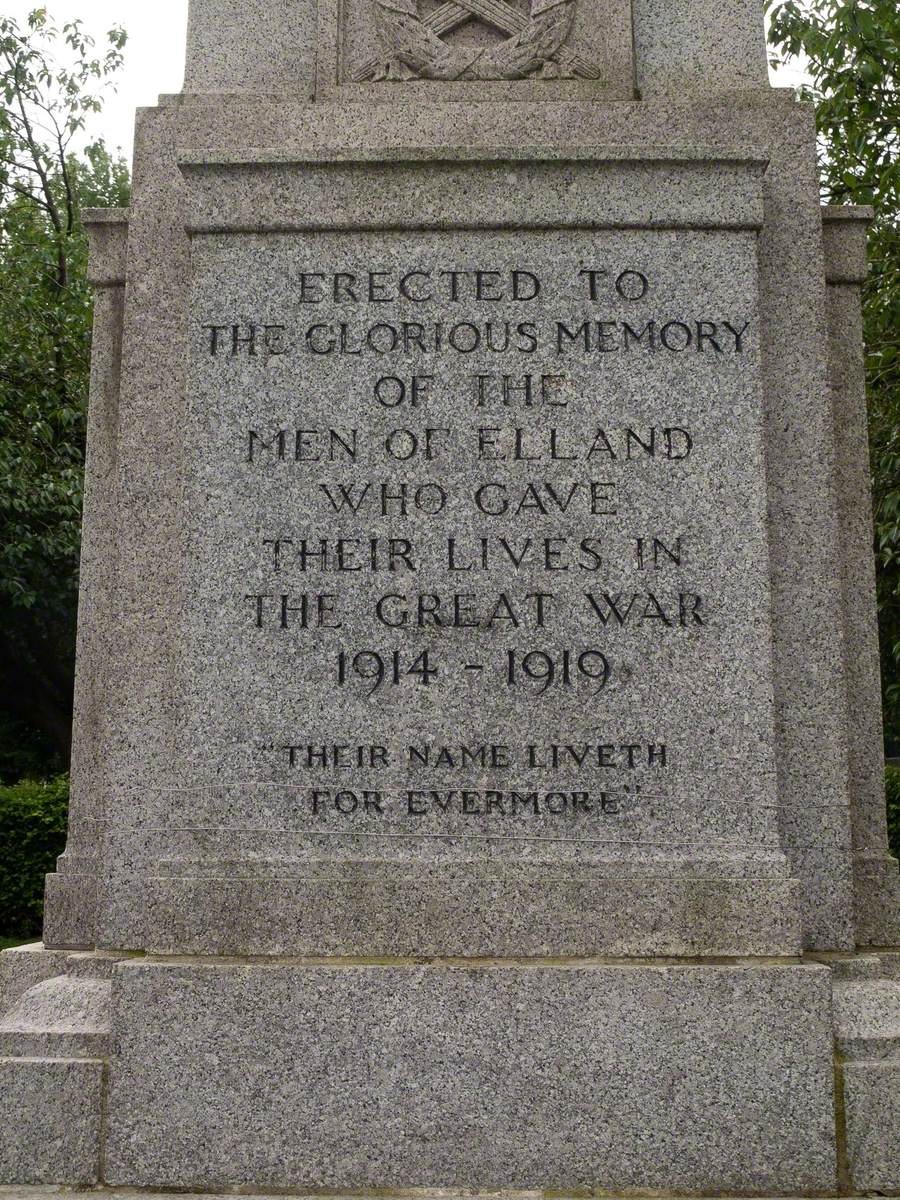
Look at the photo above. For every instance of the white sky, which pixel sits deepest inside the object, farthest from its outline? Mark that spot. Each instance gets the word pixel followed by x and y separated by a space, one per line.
pixel 154 56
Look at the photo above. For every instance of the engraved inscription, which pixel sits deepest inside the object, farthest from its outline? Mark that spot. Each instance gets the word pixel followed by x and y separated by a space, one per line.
pixel 490 551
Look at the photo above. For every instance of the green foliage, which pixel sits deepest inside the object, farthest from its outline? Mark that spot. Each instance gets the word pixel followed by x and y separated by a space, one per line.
pixel 892 788
pixel 45 326
pixel 32 836
pixel 852 53
pixel 25 753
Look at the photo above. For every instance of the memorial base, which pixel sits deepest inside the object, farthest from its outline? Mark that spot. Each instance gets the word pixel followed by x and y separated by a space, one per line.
pixel 285 1075
pixel 36 1193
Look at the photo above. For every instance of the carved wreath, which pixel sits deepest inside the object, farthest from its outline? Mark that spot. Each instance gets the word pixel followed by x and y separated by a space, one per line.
pixel 414 48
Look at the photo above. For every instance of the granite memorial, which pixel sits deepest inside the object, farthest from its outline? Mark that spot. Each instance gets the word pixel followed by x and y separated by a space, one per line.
pixel 478 771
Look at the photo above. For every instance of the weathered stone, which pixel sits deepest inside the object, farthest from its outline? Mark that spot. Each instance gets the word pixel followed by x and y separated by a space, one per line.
pixel 872 1108
pixel 50 1132
pixel 70 910
pixel 424 335
pixel 518 1077
pixel 875 874
pixel 24 966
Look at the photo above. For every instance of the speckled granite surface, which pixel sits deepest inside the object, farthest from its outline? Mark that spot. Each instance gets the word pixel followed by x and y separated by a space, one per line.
pixel 548 371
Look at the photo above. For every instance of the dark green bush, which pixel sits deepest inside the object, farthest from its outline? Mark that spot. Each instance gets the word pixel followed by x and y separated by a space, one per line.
pixel 32 836
pixel 892 787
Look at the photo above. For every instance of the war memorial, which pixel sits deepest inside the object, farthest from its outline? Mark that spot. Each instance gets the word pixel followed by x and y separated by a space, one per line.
pixel 478 777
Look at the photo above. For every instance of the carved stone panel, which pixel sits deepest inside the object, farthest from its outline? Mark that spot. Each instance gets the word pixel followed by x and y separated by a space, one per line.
pixel 526 613
pixel 402 50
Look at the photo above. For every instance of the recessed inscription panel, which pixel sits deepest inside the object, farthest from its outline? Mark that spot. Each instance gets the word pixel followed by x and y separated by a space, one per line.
pixel 477 546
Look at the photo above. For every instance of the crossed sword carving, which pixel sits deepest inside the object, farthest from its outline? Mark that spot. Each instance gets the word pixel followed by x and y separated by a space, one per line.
pixel 502 16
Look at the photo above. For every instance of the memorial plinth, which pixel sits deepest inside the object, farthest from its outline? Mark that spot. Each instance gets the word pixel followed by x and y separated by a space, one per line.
pixel 477 752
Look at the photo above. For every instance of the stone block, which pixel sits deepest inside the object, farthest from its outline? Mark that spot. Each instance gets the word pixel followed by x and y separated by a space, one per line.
pixel 24 966
pixel 698 47
pixel 63 1017
pixel 252 49
pixel 688 1078
pixel 50 1120
pixel 424 909
pixel 70 910
pixel 872 1113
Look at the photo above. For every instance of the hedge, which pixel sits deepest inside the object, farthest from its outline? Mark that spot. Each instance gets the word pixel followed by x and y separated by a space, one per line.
pixel 32 836
pixel 892 787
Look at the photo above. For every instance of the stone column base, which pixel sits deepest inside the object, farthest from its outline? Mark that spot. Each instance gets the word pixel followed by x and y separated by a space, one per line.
pixel 517 1076
pixel 37 1193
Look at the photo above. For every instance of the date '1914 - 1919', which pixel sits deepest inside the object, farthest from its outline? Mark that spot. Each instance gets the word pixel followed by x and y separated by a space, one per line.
pixel 545 669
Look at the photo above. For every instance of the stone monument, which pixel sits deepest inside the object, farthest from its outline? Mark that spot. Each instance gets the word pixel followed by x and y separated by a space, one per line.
pixel 478 768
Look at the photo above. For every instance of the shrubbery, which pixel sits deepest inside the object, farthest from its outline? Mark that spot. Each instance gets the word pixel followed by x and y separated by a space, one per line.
pixel 892 782
pixel 32 836
pixel 51 83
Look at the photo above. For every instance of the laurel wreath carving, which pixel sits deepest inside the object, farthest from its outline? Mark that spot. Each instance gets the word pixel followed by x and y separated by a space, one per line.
pixel 415 50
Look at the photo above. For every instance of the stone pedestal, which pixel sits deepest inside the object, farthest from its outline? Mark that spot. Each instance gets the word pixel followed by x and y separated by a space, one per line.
pixel 500 1076
pixel 477 759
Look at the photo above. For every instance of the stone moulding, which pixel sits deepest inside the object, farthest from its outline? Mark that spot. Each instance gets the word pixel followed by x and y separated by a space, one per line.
pixel 531 187
pixel 654 152
pixel 349 910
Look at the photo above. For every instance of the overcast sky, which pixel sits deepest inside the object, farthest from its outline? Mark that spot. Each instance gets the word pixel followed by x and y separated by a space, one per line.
pixel 154 56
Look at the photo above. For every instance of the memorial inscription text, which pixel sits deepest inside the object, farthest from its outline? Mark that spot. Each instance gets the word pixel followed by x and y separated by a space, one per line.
pixel 476 478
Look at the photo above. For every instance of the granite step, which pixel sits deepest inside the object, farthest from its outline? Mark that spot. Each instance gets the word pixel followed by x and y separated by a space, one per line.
pixel 35 1193
pixel 62 1017
pixel 856 967
pixel 867 1018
